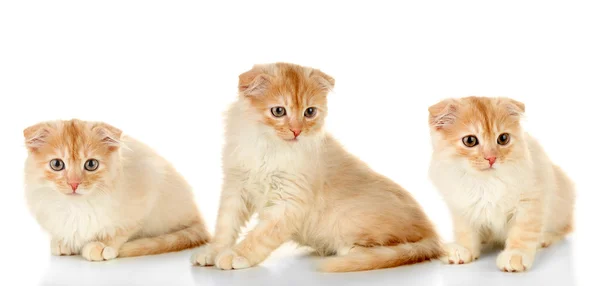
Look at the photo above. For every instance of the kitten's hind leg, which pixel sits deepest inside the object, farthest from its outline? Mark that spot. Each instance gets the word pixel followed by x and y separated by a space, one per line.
pixel 345 250
pixel 559 220
pixel 551 237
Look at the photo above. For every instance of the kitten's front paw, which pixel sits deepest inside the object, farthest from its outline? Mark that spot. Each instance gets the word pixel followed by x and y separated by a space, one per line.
pixel 204 256
pixel 58 248
pixel 97 251
pixel 514 260
pixel 229 259
pixel 457 254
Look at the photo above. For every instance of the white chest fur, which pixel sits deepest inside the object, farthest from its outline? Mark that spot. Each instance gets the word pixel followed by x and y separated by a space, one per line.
pixel 271 170
pixel 74 221
pixel 487 201
pixel 274 169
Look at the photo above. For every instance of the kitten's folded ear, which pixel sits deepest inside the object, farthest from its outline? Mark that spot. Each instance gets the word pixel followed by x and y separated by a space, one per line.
pixel 253 82
pixel 514 107
pixel 36 135
pixel 325 81
pixel 110 135
pixel 443 113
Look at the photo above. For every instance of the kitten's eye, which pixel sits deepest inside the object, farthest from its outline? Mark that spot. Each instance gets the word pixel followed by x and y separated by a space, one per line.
pixel 470 141
pixel 503 139
pixel 91 165
pixel 278 111
pixel 310 112
pixel 57 164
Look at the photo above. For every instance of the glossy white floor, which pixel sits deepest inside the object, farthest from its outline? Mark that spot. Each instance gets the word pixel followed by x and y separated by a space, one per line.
pixel 289 266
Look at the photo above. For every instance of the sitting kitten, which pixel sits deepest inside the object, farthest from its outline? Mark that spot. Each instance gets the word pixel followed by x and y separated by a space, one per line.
pixel 279 162
pixel 499 184
pixel 102 195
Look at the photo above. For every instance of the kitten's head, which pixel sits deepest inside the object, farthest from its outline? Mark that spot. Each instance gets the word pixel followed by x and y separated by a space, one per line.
pixel 290 99
pixel 72 157
pixel 484 133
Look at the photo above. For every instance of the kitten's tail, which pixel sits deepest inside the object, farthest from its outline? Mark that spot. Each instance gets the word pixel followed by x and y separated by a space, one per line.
pixel 189 237
pixel 369 258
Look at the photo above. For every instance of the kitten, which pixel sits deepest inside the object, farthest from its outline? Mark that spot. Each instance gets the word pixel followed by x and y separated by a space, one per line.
pixel 499 184
pixel 103 195
pixel 279 162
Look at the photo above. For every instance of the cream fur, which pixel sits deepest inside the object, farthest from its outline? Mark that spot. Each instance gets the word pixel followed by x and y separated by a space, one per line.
pixel 523 203
pixel 315 193
pixel 143 198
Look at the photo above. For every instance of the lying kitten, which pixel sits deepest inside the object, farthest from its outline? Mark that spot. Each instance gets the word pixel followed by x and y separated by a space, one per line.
pixel 498 182
pixel 102 195
pixel 278 162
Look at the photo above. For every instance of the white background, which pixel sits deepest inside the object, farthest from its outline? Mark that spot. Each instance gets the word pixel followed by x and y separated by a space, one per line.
pixel 165 71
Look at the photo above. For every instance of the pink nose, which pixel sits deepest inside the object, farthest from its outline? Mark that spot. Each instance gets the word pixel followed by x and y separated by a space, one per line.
pixel 491 159
pixel 74 186
pixel 296 132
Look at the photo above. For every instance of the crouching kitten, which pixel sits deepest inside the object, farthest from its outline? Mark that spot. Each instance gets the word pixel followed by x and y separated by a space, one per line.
pixel 104 195
pixel 278 162
pixel 499 184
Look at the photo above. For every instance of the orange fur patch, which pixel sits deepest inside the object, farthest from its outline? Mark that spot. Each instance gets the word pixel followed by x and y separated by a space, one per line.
pixel 482 117
pixel 316 194
pixel 293 87
pixel 74 142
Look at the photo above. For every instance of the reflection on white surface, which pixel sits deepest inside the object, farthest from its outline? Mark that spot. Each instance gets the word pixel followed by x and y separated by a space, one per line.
pixel 289 266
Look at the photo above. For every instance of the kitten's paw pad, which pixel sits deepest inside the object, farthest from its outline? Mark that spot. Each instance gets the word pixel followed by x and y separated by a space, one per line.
pixel 97 251
pixel 58 248
pixel 229 259
pixel 457 254
pixel 204 256
pixel 514 261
